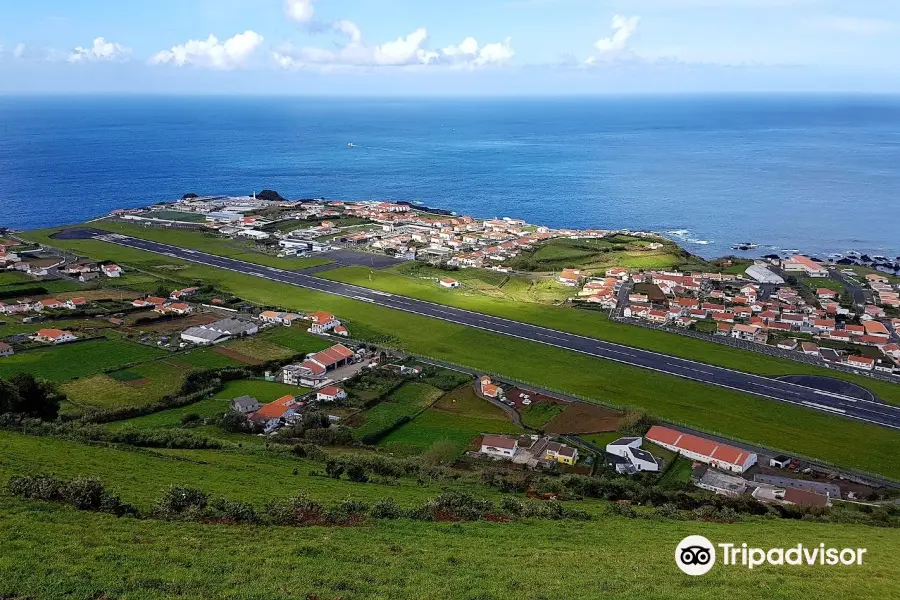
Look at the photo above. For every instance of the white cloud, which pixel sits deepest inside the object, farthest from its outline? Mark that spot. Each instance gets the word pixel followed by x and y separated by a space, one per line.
pixel 301 11
pixel 624 28
pixel 211 53
pixel 100 50
pixel 470 54
pixel 408 50
pixel 405 50
pixel 19 50
pixel 349 29
pixel 855 25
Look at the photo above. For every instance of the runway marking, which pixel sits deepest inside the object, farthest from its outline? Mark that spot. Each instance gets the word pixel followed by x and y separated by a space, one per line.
pixel 823 407
pixel 838 396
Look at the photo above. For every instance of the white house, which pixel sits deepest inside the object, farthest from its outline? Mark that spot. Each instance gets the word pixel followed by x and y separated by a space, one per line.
pixel 322 322
pixel 112 270
pixel 635 459
pixel 449 283
pixel 499 446
pixel 330 394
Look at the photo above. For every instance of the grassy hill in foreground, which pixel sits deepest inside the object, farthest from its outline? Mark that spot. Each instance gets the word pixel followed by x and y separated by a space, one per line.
pixel 53 551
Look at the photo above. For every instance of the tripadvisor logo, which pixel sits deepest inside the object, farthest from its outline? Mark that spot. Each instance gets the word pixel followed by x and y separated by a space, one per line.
pixel 696 555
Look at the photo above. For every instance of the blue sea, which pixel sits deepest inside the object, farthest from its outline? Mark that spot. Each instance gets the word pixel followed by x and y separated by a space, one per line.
pixel 815 173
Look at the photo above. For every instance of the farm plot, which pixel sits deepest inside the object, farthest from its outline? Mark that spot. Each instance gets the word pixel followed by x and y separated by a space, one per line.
pixel 80 359
pixel 584 418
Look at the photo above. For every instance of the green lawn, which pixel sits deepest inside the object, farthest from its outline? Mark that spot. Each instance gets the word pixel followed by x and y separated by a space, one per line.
pixel 203 359
pixel 140 476
pixel 435 425
pixel 54 551
pixel 415 395
pixel 138 386
pixel 81 359
pixel 210 408
pixel 537 415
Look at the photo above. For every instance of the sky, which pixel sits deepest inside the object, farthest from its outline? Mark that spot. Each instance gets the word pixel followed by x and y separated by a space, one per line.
pixel 437 47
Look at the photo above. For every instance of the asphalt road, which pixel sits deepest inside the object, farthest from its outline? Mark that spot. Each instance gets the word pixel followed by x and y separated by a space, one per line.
pixel 833 403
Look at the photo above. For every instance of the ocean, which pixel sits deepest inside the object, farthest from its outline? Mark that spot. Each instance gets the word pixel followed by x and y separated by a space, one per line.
pixel 815 173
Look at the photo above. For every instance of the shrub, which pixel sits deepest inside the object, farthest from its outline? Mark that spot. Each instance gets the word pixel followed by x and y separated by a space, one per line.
pixel 295 511
pixel 190 418
pixel 233 511
pixel 181 502
pixel 386 509
pixel 82 493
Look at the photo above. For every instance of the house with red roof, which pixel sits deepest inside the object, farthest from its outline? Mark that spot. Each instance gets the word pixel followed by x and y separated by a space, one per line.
pixel 716 454
pixel 447 282
pixel 322 322
pixel 75 303
pixel 274 414
pixel 330 394
pixel 54 336
pixel 861 362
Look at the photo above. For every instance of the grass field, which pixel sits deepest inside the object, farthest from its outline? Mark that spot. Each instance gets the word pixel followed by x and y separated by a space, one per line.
pixel 55 551
pixel 138 386
pixel 436 425
pixel 415 395
pixel 740 416
pixel 463 401
pixel 406 401
pixel 259 349
pixel 537 415
pixel 210 243
pixel 264 391
pixel 178 215
pixel 203 359
pixel 598 254
pixel 81 359
pixel 140 476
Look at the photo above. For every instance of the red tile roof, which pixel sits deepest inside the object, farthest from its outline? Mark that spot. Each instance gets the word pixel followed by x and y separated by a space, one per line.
pixel 276 409
pixel 691 443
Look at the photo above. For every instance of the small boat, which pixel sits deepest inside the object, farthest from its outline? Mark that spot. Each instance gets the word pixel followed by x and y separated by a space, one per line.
pixel 351 145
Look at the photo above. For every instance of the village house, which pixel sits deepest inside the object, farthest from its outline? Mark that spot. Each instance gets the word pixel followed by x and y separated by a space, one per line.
pixel 330 394
pixel 570 277
pixel 48 303
pixel 877 329
pixel 279 318
pixel 499 446
pixel 322 322
pixel 488 388
pixel 245 405
pixel 861 362
pixel 632 457
pixel 809 348
pixel 54 336
pixel 272 415
pixel 826 294
pixel 561 453
pixel 449 283
pixel 111 270
pixel 6 349
pixel 750 333
pixel 788 344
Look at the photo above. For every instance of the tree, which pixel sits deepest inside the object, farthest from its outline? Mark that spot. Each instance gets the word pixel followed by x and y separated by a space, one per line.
pixel 35 398
pixel 9 397
pixel 235 422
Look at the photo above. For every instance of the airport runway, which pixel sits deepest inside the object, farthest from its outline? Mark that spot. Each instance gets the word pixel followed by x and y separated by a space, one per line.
pixel 863 410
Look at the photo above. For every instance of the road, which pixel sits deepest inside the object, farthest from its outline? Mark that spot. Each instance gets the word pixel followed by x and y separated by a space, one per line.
pixel 862 410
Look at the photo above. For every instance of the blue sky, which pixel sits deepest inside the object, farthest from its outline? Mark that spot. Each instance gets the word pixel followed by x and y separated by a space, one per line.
pixel 460 47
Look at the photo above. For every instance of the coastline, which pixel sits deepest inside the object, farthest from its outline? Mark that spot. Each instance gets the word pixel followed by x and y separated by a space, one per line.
pixel 683 238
